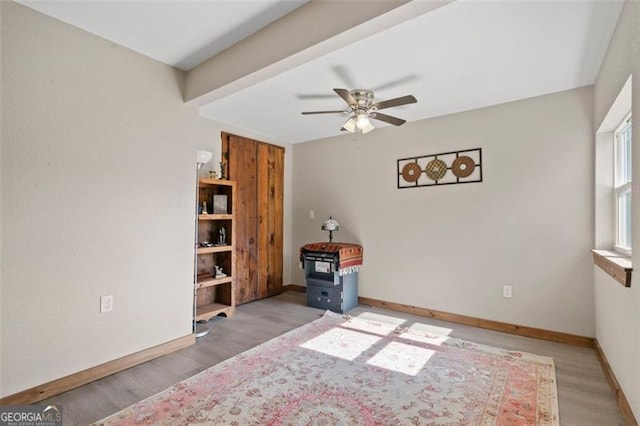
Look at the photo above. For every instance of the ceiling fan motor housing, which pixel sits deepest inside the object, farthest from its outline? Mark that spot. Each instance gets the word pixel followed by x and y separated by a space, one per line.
pixel 364 98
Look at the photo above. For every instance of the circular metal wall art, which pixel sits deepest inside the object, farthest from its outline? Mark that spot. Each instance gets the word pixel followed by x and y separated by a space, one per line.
pixel 436 169
pixel 411 172
pixel 463 166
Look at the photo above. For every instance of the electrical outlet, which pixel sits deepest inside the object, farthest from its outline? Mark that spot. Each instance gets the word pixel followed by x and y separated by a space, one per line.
pixel 506 291
pixel 312 214
pixel 106 304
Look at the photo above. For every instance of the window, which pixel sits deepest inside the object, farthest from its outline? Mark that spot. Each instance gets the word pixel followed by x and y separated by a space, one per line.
pixel 622 186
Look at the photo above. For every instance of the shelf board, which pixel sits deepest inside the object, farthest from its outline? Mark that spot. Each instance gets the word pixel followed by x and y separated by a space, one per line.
pixel 214 249
pixel 215 216
pixel 206 280
pixel 215 182
pixel 205 312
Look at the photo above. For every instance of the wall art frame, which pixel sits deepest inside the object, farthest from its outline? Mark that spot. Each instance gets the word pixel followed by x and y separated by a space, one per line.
pixel 445 168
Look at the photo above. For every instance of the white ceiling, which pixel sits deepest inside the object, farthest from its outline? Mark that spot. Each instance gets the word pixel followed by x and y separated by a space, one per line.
pixel 466 55
pixel 177 32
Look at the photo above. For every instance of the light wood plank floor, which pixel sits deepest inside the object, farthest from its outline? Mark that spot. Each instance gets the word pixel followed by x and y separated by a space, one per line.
pixel 584 395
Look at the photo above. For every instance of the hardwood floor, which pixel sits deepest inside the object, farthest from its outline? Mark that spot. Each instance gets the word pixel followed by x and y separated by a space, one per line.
pixel 584 395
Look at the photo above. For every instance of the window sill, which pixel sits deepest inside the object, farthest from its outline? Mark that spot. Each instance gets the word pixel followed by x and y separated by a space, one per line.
pixel 614 264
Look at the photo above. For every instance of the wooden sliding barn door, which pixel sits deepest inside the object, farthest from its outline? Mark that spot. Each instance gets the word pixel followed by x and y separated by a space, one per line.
pixel 258 169
pixel 241 166
pixel 270 210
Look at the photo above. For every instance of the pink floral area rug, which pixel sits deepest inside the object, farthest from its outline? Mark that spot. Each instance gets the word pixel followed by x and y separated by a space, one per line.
pixel 340 370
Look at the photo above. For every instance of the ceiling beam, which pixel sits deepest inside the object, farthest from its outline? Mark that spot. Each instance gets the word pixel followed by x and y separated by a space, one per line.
pixel 313 30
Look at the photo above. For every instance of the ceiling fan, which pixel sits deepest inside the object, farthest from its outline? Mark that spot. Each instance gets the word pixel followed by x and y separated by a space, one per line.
pixel 362 107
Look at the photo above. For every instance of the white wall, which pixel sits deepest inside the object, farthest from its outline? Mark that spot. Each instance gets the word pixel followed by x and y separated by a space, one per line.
pixel 618 308
pixel 98 189
pixel 452 248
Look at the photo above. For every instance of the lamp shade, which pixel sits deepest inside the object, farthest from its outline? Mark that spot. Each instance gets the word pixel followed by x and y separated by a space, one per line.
pixel 362 121
pixel 330 225
pixel 367 128
pixel 203 157
pixel 350 125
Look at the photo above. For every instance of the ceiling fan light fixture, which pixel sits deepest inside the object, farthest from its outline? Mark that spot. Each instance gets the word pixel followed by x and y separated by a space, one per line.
pixel 369 127
pixel 362 122
pixel 350 125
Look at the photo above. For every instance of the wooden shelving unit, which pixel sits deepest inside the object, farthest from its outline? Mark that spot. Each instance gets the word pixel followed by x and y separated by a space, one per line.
pixel 207 280
pixel 214 249
pixel 215 216
pixel 215 295
pixel 205 312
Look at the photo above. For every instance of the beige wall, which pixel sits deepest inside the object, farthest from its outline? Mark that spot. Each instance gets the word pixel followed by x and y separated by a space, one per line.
pixel 452 248
pixel 97 191
pixel 618 309
pixel 98 179
pixel 1 216
pixel 98 175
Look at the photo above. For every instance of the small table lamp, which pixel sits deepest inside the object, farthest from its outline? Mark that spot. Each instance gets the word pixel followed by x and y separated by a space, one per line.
pixel 330 225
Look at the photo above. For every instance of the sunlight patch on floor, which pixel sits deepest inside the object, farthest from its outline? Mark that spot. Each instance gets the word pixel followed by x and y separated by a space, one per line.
pixel 371 316
pixel 431 339
pixel 381 329
pixel 433 329
pixel 341 343
pixel 400 357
